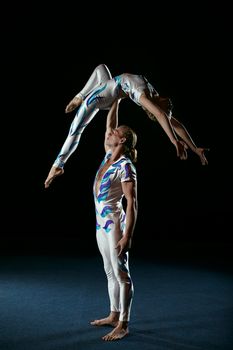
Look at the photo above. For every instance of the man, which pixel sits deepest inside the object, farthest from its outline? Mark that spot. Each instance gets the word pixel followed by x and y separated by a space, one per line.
pixel 115 179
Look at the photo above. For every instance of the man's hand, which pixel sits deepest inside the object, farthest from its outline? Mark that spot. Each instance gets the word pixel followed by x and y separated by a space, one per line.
pixel 74 103
pixel 123 245
pixel 54 172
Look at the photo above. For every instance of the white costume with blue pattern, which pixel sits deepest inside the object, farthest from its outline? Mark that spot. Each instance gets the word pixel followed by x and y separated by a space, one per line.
pixel 100 92
pixel 110 224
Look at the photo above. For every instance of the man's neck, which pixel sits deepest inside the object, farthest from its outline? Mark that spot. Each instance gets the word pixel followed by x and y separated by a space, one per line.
pixel 117 152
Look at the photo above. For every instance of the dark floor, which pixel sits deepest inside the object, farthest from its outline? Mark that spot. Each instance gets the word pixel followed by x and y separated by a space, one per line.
pixel 47 301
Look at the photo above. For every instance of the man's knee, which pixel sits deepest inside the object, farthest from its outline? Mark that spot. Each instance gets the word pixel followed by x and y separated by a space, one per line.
pixel 109 271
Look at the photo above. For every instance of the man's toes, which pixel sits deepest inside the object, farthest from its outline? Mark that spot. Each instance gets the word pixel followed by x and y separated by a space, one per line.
pixel 94 323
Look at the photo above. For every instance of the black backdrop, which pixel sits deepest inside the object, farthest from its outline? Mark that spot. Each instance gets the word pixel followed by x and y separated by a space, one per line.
pixel 48 54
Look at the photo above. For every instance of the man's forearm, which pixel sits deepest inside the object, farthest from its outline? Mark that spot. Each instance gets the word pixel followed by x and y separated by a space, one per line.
pixel 131 217
pixel 112 117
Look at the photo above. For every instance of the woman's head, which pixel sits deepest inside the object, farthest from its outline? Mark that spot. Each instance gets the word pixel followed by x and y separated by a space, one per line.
pixel 130 142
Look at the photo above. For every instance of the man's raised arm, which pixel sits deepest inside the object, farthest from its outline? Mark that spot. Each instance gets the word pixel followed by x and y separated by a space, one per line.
pixel 112 121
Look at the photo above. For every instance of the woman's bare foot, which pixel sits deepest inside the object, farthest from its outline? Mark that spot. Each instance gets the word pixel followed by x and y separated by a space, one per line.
pixel 111 320
pixel 120 331
pixel 74 103
pixel 54 172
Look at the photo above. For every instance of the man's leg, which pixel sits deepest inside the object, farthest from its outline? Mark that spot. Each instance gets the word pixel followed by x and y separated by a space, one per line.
pixel 113 285
pixel 121 270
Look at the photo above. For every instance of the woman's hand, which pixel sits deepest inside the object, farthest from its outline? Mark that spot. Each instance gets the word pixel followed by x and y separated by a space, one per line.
pixel 181 149
pixel 201 154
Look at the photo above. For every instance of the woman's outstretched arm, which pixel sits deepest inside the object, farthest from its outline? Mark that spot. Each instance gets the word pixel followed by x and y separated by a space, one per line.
pixel 182 132
pixel 158 114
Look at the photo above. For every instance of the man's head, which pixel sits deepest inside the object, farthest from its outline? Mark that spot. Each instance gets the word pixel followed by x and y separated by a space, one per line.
pixel 129 140
pixel 123 136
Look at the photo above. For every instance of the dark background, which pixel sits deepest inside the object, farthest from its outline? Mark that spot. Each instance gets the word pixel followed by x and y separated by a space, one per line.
pixel 185 209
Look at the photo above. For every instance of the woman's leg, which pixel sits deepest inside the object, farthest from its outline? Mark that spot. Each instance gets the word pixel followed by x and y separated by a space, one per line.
pixel 82 118
pixel 101 74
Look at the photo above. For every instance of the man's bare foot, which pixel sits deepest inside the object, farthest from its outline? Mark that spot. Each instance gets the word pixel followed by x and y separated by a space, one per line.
pixel 74 103
pixel 54 172
pixel 111 320
pixel 120 331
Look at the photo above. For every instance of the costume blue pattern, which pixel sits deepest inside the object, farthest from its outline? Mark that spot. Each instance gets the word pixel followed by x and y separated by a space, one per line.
pixel 99 93
pixel 110 224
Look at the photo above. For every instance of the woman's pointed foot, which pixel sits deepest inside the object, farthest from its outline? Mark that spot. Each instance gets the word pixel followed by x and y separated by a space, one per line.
pixel 74 103
pixel 54 172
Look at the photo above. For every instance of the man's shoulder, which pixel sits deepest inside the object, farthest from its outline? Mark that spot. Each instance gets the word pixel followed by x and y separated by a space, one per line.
pixel 127 163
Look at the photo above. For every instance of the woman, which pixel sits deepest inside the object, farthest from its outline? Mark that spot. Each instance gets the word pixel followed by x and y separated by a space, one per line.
pixel 100 91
